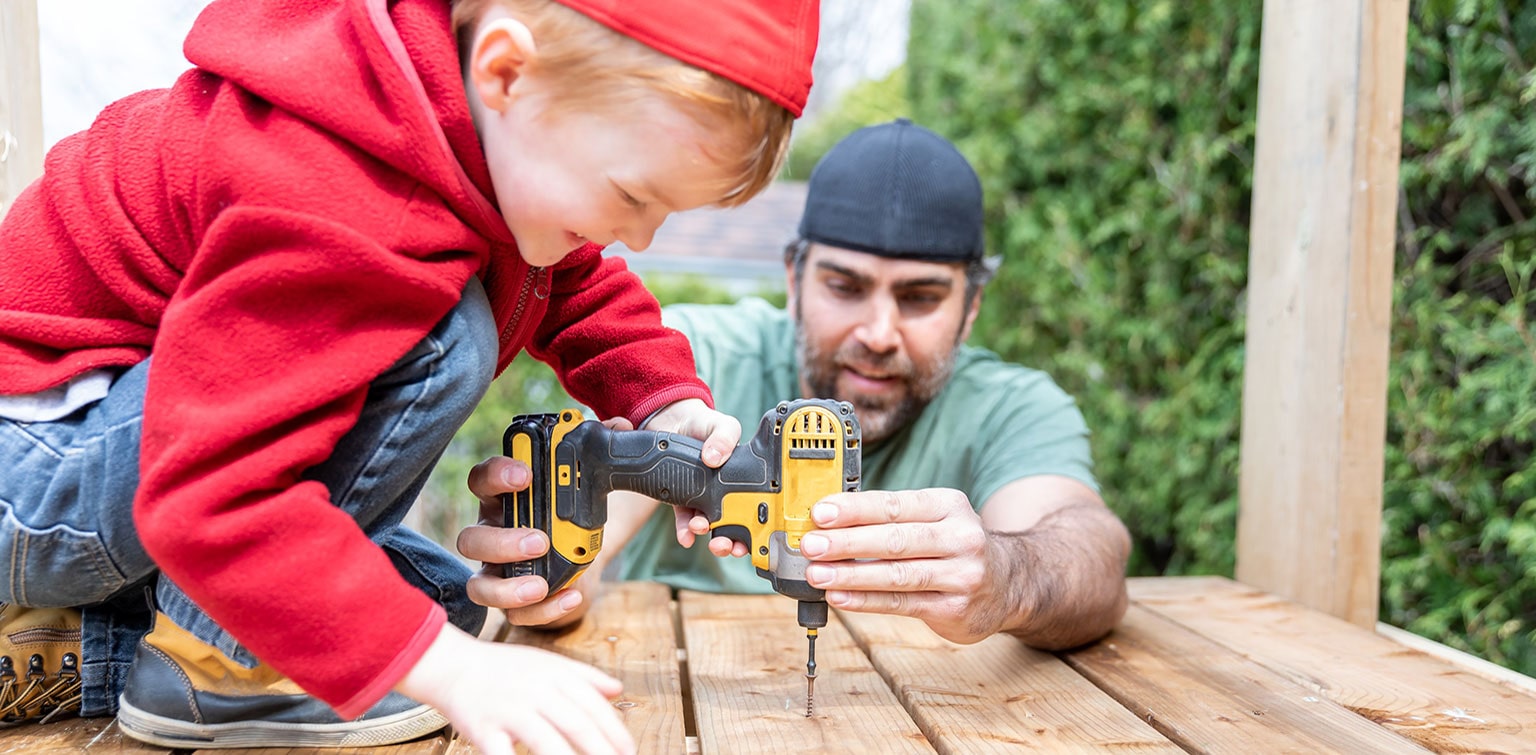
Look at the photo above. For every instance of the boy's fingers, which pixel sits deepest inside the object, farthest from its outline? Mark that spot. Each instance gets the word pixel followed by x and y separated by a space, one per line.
pixel 584 706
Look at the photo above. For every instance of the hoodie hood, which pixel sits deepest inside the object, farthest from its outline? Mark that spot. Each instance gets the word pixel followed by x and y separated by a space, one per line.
pixel 384 78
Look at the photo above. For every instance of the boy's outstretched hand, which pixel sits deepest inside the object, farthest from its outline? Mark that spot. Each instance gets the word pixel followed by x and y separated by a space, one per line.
pixel 500 695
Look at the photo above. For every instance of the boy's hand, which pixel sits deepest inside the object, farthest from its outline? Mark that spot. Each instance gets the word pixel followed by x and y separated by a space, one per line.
pixel 691 417
pixel 720 433
pixel 500 695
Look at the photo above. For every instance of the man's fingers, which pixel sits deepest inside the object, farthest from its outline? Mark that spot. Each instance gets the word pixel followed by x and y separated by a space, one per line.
pixel 497 475
pixel 501 545
pixel 489 588
pixel 883 541
pixel 562 608
pixel 884 506
pixel 916 575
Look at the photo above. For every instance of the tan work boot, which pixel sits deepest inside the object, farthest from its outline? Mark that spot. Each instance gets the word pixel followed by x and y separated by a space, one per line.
pixel 184 693
pixel 39 663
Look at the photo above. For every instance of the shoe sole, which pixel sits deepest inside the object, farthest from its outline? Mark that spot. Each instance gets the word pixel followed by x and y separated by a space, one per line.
pixel 176 734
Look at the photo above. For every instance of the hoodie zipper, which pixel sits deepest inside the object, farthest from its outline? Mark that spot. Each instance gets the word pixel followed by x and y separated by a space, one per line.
pixel 513 328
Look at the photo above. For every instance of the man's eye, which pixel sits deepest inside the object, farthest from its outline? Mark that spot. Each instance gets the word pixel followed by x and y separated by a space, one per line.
pixel 843 287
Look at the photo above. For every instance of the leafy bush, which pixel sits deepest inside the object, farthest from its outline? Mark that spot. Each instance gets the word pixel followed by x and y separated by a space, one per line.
pixel 869 102
pixel 1115 143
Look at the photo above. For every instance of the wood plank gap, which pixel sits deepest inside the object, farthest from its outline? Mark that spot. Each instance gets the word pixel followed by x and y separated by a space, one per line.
pixel 690 719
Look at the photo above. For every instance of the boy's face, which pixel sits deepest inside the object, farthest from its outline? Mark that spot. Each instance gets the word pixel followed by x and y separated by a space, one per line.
pixel 565 176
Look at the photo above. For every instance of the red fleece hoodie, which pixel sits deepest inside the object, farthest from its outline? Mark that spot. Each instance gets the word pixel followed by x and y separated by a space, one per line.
pixel 277 229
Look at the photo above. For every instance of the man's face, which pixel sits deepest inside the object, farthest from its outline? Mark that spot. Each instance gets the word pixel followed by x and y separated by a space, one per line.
pixel 878 333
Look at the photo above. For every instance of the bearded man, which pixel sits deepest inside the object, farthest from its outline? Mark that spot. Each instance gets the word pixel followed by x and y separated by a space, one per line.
pixel 978 513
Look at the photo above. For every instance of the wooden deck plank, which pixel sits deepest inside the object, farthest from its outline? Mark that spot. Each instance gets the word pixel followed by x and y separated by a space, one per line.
pixel 73 735
pixel 1426 699
pixel 630 635
pixel 1204 697
pixel 997 695
pixel 746 662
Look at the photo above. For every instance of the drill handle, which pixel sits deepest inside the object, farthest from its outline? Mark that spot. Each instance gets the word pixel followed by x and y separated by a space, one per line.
pixel 662 465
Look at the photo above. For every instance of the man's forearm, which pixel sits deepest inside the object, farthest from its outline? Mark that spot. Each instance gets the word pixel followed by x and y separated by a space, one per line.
pixel 1064 578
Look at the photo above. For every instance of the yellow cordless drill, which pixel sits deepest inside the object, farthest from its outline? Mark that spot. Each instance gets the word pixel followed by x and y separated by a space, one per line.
pixel 804 451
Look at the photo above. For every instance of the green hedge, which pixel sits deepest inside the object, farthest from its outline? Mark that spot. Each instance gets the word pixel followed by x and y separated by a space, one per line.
pixel 1115 143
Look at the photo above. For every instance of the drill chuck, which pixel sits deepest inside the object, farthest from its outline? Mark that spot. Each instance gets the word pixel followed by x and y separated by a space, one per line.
pixel 813 614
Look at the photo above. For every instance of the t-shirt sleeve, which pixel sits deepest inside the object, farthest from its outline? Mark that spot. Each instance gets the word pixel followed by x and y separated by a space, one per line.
pixel 1033 428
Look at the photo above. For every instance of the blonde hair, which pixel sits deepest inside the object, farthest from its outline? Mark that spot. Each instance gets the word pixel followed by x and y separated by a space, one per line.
pixel 600 67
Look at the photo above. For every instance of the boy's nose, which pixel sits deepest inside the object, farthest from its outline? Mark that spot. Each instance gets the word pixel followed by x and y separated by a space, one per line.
pixel 637 236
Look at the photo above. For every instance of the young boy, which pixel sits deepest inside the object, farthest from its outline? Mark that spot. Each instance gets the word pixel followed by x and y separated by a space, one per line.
pixel 240 319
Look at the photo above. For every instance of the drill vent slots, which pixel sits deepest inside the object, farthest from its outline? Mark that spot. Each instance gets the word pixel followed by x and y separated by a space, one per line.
pixel 813 435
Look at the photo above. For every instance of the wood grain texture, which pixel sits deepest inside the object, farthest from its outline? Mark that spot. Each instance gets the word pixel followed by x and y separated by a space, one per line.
pixel 1424 698
pixel 629 634
pixel 996 696
pixel 1207 699
pixel 1319 301
pixel 72 735
pixel 21 100
pixel 746 661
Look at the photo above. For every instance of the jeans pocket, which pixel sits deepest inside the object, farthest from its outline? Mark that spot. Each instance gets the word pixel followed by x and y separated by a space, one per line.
pixel 54 566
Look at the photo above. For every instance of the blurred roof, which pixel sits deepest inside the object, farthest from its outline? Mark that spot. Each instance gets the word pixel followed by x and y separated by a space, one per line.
pixel 739 245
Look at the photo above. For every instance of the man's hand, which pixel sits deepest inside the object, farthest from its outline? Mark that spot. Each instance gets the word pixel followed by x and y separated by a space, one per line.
pixel 1045 561
pixel 523 598
pixel 923 553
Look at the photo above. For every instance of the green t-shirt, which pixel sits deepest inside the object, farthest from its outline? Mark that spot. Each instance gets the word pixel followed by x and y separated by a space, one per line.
pixel 992 424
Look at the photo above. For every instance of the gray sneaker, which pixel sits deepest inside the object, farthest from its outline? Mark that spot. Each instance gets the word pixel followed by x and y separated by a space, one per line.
pixel 183 693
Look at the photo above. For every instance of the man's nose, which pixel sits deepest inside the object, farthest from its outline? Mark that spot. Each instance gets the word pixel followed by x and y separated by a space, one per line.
pixel 880 331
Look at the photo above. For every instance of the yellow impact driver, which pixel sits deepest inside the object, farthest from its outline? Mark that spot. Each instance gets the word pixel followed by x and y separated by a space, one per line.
pixel 804 451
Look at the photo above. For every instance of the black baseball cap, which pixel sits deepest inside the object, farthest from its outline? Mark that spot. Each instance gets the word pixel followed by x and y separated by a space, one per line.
pixel 896 190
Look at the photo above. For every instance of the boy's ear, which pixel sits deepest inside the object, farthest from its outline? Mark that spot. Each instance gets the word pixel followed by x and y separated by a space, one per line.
pixel 502 49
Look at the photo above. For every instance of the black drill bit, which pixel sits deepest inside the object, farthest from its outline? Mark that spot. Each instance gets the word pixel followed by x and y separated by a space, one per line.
pixel 810 673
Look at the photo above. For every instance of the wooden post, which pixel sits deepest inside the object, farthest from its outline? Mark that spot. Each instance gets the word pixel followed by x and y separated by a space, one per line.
pixel 1319 301
pixel 21 100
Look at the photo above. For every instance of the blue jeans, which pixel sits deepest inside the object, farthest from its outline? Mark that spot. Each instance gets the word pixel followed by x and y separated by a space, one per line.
pixel 66 499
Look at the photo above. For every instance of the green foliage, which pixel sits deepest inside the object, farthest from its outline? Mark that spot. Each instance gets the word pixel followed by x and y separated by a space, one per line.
pixel 1115 144
pixel 1459 527
pixel 867 103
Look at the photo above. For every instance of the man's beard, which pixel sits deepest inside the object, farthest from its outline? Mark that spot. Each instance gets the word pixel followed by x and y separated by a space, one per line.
pixel 881 416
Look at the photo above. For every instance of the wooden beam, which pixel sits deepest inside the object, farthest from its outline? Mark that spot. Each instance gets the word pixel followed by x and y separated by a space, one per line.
pixel 21 100
pixel 1319 301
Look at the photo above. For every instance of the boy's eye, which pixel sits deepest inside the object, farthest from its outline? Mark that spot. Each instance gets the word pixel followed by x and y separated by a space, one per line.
pixel 630 200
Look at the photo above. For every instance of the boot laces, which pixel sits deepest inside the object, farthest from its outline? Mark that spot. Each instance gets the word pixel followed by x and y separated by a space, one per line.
pixel 38 695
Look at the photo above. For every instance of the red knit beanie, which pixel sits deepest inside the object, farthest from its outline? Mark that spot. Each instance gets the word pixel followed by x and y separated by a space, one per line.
pixel 763 45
